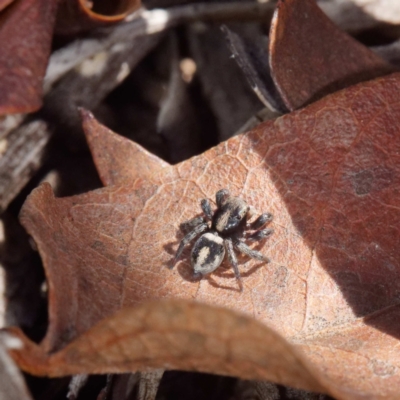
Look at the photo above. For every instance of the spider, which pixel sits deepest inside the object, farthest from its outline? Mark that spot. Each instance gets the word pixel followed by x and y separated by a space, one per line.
pixel 229 224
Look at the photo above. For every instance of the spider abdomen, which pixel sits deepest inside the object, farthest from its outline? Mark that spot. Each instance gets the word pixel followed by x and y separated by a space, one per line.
pixel 208 253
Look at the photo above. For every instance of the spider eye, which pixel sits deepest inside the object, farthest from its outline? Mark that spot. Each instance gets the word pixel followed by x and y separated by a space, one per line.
pixel 238 217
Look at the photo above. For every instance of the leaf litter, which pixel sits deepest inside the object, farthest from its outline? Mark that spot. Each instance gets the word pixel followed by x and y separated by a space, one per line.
pixel 327 173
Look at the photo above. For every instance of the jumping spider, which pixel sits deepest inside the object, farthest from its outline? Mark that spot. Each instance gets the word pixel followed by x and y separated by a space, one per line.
pixel 229 224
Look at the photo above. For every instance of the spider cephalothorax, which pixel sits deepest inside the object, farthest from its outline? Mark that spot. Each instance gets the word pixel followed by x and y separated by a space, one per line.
pixel 229 228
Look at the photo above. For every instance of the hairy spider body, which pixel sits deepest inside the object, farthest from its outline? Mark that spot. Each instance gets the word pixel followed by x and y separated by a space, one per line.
pixel 207 254
pixel 229 225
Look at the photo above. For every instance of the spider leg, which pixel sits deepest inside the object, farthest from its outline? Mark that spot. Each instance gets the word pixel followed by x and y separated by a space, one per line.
pixel 262 220
pixel 191 223
pixel 206 207
pixel 187 239
pixel 260 235
pixel 250 212
pixel 233 261
pixel 243 248
pixel 221 196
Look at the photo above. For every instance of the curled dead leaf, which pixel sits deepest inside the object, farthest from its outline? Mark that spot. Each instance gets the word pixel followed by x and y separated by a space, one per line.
pixel 175 335
pixel 109 10
pixel 26 29
pixel 310 57
pixel 81 15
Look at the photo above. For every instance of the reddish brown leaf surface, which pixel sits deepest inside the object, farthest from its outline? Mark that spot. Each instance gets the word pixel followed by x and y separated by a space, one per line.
pixel 26 28
pixel 330 175
pixel 310 57
pixel 177 334
pixel 5 3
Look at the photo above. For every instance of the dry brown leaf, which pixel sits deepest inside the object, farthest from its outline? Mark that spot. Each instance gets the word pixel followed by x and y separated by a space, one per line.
pixel 109 10
pixel 176 335
pixel 5 3
pixel 310 57
pixel 26 29
pixel 81 15
pixel 329 173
